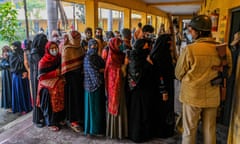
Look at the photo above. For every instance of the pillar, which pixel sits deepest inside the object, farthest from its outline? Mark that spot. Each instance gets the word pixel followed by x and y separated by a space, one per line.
pixel 91 13
pixel 127 18
pixel 144 18
pixel 52 16
pixel 110 20
pixel 180 24
pixel 154 23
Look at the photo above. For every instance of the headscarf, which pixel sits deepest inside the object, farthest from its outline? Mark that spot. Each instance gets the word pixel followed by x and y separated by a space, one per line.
pixel 137 58
pixel 18 49
pixel 6 49
pixel 139 49
pixel 4 63
pixel 38 44
pixel 161 55
pixel 72 52
pixel 48 62
pixel 16 59
pixel 116 56
pixel 93 79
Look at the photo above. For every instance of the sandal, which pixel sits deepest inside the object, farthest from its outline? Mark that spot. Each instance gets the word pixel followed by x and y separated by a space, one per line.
pixel 75 127
pixel 23 113
pixel 62 123
pixel 9 111
pixel 54 128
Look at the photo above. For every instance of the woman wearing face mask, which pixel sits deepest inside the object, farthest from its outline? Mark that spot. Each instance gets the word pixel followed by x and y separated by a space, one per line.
pixel 117 113
pixel 72 69
pixel 50 96
pixel 140 78
pixel 94 91
pixel 21 98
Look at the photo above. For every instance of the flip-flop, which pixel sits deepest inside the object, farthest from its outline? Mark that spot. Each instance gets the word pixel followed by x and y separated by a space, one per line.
pixel 9 111
pixel 75 127
pixel 54 128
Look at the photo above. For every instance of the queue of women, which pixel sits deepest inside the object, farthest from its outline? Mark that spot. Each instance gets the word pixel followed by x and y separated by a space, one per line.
pixel 111 88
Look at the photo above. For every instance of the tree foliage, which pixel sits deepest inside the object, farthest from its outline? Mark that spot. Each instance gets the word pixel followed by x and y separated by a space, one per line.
pixel 32 4
pixel 33 7
pixel 8 22
pixel 33 12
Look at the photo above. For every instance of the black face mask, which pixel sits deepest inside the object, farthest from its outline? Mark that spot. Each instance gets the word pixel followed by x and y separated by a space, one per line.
pixel 99 37
pixel 145 52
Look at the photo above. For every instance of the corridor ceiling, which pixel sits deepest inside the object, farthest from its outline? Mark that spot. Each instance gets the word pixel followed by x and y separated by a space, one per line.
pixel 173 7
pixel 176 7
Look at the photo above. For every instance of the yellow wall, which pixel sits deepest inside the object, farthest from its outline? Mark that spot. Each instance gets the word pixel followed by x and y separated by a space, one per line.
pixel 224 7
pixel 81 27
pixel 132 5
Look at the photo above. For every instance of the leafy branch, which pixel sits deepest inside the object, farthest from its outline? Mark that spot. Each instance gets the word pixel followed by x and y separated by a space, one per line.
pixel 8 22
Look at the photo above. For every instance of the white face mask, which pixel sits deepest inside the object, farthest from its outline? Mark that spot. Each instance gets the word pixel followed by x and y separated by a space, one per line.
pixel 53 52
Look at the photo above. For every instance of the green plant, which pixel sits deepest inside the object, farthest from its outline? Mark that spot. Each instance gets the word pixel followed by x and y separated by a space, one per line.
pixel 8 22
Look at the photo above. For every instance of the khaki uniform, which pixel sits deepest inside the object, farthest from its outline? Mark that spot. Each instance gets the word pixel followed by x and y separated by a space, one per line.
pixel 194 70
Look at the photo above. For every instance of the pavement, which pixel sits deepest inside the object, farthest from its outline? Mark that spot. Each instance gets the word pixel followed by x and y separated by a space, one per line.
pixel 6 117
pixel 19 129
pixel 22 131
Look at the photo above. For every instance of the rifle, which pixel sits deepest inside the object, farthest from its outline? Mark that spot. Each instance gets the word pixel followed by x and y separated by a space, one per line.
pixel 221 79
pixel 222 69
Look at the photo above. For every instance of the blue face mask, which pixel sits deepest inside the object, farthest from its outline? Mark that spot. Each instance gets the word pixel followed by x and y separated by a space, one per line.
pixel 121 47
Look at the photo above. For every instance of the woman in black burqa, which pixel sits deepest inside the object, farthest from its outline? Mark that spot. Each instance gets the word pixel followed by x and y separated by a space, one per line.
pixel 140 77
pixel 163 67
pixel 36 53
pixel 21 98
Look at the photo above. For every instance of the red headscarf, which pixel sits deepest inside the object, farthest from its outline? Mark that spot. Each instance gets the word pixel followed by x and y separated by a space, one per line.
pixel 116 56
pixel 113 74
pixel 48 60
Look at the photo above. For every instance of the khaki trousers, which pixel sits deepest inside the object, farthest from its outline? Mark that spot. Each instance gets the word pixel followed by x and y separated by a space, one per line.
pixel 191 117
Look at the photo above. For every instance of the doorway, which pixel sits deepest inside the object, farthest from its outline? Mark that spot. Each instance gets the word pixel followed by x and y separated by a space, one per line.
pixel 234 27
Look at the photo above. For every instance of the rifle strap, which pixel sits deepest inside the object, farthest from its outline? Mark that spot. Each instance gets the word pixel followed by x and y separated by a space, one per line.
pixel 221 50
